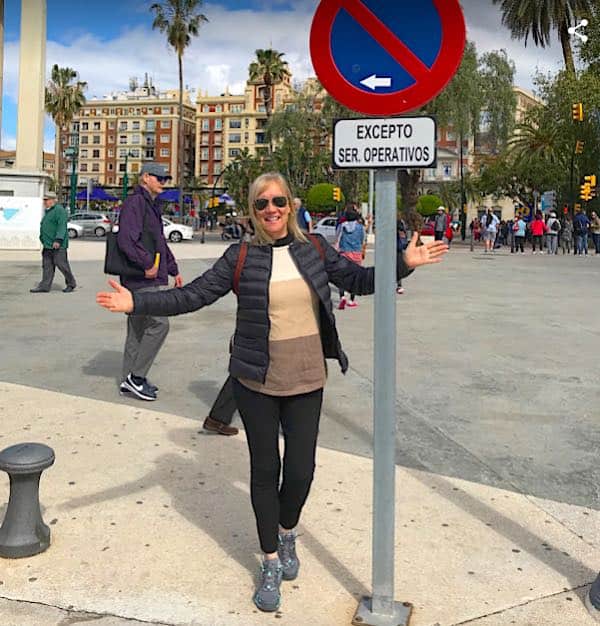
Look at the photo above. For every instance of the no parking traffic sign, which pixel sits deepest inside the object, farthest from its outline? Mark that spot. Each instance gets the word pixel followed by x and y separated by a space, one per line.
pixel 384 57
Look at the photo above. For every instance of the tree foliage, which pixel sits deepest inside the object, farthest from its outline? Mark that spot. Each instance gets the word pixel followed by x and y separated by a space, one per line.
pixel 320 197
pixel 428 204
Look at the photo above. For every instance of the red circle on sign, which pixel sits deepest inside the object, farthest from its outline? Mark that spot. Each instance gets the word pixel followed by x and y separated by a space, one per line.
pixel 439 75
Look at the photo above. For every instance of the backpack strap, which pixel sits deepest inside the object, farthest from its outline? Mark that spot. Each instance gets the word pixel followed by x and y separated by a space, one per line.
pixel 239 266
pixel 317 244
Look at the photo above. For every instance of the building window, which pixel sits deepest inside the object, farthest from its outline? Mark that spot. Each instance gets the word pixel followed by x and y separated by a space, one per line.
pixel 165 124
pixel 218 124
pixel 122 152
pixel 95 154
pixel 122 125
pixel 84 153
pixel 218 154
pixel 165 111
pixel 122 139
pixel 122 167
pixel 96 139
pixel 150 124
pixel 235 138
pixel 217 168
pixel 204 154
pixel 165 138
pixel 135 168
pixel 95 167
pixel 204 139
pixel 150 140
pixel 165 152
pixel 134 153
pixel 218 139
pixel 96 125
pixel 450 135
pixel 135 125
pixel 111 125
pixel 111 153
pixel 84 139
pixel 205 108
pixel 110 167
pixel 205 125
pixel 446 170
pixel 149 153
pixel 236 108
pixel 204 169
pixel 233 152
pixel 235 123
pixel 136 139
pixel 84 125
pixel 83 167
pixel 260 138
pixel 111 139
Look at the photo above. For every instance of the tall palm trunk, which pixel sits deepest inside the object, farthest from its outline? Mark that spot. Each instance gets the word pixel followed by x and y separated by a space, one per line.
pixel 409 189
pixel 565 42
pixel 180 135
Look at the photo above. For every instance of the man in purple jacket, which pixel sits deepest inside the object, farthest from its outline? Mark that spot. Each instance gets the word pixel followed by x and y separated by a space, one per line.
pixel 141 239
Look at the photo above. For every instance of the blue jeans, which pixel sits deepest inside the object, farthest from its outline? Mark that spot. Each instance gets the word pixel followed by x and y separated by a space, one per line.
pixel 596 238
pixel 581 243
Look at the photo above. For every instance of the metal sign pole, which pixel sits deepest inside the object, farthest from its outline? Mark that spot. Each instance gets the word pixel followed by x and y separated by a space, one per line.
pixel 381 610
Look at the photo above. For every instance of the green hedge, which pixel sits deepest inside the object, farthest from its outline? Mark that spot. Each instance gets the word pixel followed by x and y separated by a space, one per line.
pixel 428 204
pixel 320 198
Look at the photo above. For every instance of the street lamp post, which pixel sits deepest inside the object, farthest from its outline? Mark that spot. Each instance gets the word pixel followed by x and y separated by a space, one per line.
pixel 125 177
pixel 72 152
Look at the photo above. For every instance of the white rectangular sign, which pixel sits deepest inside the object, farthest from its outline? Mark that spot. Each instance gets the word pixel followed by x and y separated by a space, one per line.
pixel 393 142
pixel 20 223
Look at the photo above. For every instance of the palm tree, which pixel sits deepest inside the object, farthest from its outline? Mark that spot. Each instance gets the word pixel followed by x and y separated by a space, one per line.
pixel 179 20
pixel 63 99
pixel 268 69
pixel 535 18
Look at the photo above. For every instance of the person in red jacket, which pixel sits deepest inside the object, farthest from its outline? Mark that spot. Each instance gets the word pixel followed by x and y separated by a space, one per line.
pixel 538 228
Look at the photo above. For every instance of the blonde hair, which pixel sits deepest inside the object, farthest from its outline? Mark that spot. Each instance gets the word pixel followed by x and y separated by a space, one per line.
pixel 262 238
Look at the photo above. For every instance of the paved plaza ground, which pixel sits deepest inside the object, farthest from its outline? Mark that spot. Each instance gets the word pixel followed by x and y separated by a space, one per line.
pixel 497 452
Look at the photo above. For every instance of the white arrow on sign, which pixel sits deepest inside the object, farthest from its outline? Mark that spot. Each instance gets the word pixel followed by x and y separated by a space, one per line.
pixel 374 81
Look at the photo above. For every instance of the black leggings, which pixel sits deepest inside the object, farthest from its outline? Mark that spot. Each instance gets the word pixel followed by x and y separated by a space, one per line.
pixel 261 414
pixel 519 243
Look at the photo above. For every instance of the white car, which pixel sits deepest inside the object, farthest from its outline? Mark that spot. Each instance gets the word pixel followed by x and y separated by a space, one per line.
pixel 176 232
pixel 74 230
pixel 326 227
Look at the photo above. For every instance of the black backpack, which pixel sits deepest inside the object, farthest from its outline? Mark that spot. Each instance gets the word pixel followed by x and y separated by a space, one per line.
pixel 555 226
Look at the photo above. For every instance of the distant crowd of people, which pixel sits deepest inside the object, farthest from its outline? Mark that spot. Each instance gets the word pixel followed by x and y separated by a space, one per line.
pixel 544 233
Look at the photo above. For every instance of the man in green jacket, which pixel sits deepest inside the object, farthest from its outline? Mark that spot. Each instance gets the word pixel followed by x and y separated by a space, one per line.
pixel 55 241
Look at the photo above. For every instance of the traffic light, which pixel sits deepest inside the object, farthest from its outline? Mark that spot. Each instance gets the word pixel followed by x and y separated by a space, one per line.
pixel 579 147
pixel 337 194
pixel 577 112
pixel 591 179
pixel 585 192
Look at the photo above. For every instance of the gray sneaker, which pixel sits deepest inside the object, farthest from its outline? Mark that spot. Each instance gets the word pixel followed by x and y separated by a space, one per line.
pixel 267 596
pixel 286 549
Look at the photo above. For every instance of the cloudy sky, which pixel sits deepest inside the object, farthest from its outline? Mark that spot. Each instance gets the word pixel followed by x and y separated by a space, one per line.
pixel 108 42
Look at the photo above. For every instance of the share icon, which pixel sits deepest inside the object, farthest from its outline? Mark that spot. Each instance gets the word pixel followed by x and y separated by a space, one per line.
pixel 574 30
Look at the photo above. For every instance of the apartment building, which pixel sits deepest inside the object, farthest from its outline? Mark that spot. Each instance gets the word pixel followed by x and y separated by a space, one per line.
pixel 123 130
pixel 228 123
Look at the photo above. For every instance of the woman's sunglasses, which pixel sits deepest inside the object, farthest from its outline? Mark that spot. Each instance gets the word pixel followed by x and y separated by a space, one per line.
pixel 260 204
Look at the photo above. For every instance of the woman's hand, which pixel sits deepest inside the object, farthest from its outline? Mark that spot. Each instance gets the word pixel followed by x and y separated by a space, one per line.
pixel 118 301
pixel 424 255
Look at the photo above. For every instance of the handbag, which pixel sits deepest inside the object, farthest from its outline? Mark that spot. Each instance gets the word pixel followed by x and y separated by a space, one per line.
pixel 116 262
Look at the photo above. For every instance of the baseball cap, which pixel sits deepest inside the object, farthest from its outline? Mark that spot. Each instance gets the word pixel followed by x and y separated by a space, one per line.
pixel 155 169
pixel 441 208
pixel 50 194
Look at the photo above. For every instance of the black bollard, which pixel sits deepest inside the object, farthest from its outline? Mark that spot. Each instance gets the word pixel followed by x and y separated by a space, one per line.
pixel 592 599
pixel 23 532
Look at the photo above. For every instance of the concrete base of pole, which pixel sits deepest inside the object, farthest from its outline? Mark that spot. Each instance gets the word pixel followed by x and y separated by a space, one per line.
pixel 365 617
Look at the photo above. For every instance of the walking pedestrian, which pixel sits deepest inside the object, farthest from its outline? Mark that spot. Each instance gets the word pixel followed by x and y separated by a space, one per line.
pixel 401 245
pixel 566 235
pixel 142 241
pixel 552 230
pixel 285 329
pixel 221 413
pixel 350 241
pixel 538 228
pixel 55 242
pixel 439 226
pixel 595 228
pixel 519 228
pixel 303 216
pixel 581 228
pixel 489 225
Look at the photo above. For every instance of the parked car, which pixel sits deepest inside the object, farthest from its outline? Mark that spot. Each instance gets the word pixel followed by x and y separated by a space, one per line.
pixel 92 223
pixel 326 227
pixel 176 232
pixel 74 230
